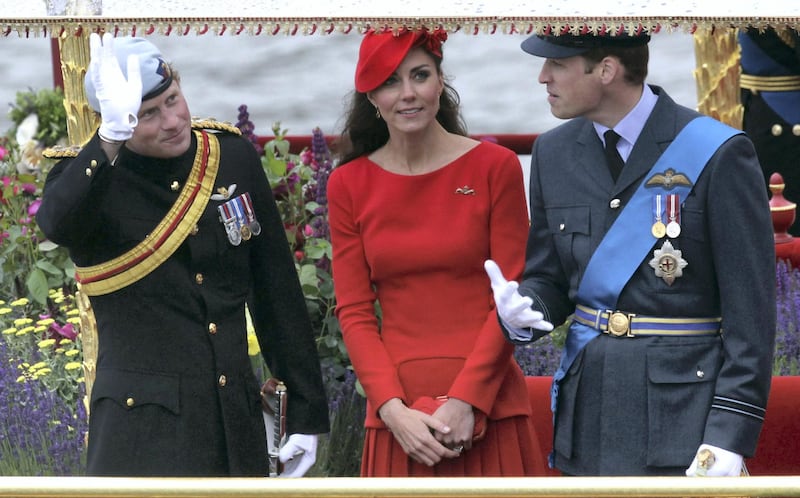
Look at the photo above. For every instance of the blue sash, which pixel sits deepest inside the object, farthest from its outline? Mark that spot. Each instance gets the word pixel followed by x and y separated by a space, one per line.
pixel 607 273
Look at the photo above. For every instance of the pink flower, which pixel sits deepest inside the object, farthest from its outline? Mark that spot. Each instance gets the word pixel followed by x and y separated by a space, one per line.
pixel 34 207
pixel 306 156
pixel 66 330
pixel 3 153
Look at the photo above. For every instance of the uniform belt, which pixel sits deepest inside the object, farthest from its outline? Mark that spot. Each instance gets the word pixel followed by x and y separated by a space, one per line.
pixel 770 83
pixel 620 323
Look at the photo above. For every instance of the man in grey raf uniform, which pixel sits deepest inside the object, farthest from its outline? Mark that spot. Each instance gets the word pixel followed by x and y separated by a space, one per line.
pixel 659 249
pixel 172 231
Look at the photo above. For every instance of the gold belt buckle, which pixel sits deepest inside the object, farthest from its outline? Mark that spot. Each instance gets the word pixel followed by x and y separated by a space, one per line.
pixel 619 324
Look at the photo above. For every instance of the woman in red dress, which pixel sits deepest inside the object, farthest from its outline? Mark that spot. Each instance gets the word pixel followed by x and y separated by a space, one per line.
pixel 416 207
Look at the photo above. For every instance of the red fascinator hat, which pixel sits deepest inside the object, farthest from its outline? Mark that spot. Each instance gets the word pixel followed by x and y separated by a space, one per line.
pixel 382 52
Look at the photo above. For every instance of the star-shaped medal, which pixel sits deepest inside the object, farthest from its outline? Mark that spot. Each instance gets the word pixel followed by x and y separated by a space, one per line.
pixel 668 263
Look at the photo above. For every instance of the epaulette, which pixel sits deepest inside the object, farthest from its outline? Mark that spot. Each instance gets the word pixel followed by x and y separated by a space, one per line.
pixel 213 124
pixel 61 151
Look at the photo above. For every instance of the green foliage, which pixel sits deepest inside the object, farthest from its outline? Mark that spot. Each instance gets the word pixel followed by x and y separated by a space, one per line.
pixel 298 182
pixel 48 105
pixel 29 265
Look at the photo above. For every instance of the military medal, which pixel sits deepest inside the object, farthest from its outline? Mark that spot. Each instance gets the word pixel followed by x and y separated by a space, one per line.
pixel 673 215
pixel 668 263
pixel 234 235
pixel 228 219
pixel 255 226
pixel 659 229
pixel 238 217
pixel 241 221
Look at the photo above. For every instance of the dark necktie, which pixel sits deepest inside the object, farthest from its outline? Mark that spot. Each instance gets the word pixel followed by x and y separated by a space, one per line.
pixel 615 162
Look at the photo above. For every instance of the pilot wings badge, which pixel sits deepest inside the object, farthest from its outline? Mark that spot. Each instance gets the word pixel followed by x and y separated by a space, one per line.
pixel 669 179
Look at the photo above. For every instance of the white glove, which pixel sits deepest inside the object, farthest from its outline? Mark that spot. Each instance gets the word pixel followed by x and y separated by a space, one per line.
pixel 721 463
pixel 298 454
pixel 514 309
pixel 120 99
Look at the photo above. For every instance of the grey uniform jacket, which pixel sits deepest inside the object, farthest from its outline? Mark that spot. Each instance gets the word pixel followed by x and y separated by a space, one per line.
pixel 642 406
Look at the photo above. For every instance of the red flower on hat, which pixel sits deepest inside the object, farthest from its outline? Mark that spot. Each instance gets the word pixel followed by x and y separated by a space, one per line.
pixel 433 40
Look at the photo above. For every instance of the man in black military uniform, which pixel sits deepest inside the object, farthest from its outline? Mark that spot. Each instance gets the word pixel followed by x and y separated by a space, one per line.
pixel 770 93
pixel 173 230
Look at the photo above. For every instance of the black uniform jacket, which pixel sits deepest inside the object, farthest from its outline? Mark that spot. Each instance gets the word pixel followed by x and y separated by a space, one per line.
pixel 643 405
pixel 175 393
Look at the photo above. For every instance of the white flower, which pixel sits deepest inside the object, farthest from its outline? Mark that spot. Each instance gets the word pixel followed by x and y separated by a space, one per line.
pixel 28 145
pixel 26 131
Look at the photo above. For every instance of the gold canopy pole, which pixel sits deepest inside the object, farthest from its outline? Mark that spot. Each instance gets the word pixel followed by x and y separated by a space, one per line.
pixel 717 75
pixel 73 47
pixel 81 119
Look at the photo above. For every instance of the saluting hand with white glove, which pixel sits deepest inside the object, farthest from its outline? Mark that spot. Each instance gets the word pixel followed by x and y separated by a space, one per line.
pixel 298 454
pixel 513 308
pixel 119 98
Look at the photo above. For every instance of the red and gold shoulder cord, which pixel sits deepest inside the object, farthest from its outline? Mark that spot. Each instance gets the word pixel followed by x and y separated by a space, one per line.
pixel 170 233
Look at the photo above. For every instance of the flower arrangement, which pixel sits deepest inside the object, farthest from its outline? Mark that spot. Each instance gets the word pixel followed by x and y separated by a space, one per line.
pixel 43 424
pixel 298 183
pixel 29 265
pixel 787 333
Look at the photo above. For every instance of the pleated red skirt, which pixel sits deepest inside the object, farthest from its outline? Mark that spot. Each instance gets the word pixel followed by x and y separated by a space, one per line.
pixel 510 449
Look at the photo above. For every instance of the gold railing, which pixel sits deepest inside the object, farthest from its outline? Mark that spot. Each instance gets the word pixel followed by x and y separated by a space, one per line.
pixel 339 487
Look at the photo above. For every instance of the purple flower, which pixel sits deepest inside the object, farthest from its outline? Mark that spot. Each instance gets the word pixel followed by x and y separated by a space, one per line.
pixel 538 358
pixel 40 433
pixel 787 335
pixel 66 330
pixel 248 128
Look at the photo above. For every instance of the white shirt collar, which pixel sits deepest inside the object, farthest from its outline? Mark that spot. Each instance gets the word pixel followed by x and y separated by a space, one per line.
pixel 630 127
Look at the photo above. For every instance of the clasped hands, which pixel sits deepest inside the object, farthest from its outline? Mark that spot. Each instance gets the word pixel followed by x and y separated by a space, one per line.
pixel 513 308
pixel 427 439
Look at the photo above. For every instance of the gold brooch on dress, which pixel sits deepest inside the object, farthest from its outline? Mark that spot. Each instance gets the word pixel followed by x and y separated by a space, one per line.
pixel 465 190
